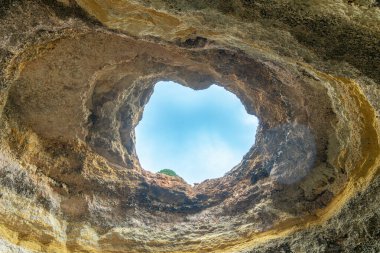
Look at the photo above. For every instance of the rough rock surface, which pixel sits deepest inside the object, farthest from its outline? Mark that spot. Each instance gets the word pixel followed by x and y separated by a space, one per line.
pixel 76 75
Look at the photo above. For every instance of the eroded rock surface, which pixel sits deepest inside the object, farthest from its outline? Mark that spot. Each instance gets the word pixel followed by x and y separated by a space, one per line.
pixel 76 75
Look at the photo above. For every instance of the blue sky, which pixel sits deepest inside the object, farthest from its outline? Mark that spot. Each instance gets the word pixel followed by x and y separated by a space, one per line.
pixel 198 134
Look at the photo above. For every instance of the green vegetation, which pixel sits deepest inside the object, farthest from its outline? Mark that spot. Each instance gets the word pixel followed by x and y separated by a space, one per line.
pixel 168 172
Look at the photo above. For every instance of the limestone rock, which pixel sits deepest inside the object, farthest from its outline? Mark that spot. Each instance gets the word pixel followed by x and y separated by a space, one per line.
pixel 76 75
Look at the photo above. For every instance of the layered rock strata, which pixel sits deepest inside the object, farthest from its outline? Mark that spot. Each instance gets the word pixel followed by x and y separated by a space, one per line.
pixel 76 76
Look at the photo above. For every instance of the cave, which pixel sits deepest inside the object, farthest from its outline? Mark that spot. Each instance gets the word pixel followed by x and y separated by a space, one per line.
pixel 77 74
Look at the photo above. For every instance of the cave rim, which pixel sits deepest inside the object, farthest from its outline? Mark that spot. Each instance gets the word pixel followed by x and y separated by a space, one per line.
pixel 279 83
pixel 327 69
pixel 211 79
pixel 232 95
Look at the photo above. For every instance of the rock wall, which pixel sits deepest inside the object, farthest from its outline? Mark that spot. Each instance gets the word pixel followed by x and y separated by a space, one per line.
pixel 76 75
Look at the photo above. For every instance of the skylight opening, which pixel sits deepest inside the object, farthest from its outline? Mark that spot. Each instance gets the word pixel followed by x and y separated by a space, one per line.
pixel 197 134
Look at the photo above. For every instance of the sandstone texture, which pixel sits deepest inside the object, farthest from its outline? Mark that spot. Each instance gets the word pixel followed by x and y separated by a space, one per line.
pixel 75 76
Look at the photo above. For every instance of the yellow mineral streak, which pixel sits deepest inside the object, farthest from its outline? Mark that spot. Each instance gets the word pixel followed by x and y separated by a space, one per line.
pixel 133 18
pixel 30 226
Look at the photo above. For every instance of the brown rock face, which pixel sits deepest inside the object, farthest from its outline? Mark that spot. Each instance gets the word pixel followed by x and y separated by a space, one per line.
pixel 76 75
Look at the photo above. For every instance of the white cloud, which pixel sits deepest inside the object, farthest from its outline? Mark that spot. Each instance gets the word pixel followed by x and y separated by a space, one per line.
pixel 203 158
pixel 213 154
pixel 250 120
